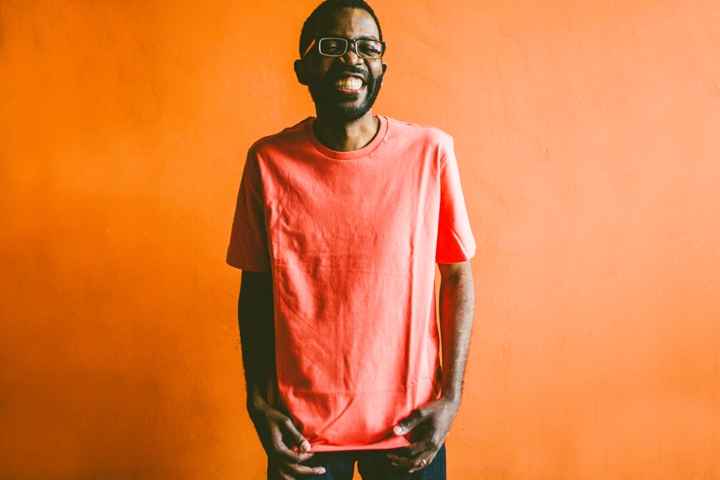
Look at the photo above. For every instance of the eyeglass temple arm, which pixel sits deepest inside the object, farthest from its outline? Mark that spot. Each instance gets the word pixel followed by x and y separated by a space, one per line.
pixel 312 44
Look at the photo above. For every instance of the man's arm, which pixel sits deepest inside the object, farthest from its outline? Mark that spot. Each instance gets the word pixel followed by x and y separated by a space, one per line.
pixel 277 432
pixel 257 333
pixel 430 424
pixel 457 306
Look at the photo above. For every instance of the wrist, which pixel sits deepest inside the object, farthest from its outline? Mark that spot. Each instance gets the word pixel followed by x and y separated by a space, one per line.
pixel 451 397
pixel 256 401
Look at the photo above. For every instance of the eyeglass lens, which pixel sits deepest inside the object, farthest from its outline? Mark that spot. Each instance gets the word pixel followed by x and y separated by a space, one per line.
pixel 336 47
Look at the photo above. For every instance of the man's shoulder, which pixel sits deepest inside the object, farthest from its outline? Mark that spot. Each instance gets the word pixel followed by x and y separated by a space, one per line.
pixel 287 137
pixel 427 141
pixel 416 132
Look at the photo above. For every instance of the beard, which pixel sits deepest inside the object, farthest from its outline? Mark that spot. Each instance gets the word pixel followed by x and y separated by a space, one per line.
pixel 331 102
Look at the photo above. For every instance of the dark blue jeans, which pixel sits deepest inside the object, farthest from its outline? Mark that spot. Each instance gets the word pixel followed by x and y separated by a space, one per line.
pixel 372 465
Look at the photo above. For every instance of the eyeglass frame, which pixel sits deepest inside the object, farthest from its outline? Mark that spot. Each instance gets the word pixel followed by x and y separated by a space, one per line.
pixel 348 41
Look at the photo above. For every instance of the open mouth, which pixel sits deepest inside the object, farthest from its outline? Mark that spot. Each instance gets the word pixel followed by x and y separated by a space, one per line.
pixel 349 84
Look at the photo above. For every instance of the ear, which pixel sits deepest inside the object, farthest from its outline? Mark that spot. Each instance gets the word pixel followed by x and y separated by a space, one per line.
pixel 384 67
pixel 301 72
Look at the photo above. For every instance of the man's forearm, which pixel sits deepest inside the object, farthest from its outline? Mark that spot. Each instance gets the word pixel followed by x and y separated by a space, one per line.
pixel 457 305
pixel 257 332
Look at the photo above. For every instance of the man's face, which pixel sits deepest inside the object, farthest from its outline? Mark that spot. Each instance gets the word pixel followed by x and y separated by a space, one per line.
pixel 333 81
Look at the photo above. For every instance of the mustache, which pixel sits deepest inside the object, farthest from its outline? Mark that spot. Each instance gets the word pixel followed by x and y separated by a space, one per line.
pixel 332 75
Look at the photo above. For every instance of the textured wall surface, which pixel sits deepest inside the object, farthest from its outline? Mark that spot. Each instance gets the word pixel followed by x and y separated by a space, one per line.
pixel 587 135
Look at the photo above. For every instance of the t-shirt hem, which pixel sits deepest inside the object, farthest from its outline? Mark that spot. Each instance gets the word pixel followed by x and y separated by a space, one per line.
pixel 387 444
pixel 458 258
pixel 249 267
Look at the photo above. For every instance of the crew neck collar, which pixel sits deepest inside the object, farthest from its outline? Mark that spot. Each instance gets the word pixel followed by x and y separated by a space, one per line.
pixel 353 154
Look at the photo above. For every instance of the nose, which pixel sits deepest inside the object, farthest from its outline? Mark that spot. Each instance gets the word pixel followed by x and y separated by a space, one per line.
pixel 351 57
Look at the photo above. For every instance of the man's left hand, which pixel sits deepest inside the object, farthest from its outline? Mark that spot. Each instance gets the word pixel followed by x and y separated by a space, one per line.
pixel 428 427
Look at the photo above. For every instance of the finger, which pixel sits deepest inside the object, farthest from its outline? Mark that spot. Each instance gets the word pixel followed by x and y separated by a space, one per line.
pixel 296 469
pixel 399 454
pixel 413 455
pixel 277 474
pixel 422 462
pixel 412 421
pixel 283 476
pixel 406 462
pixel 294 435
pixel 423 445
pixel 283 452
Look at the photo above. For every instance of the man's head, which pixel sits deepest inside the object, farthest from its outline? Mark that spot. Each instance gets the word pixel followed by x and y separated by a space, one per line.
pixel 343 87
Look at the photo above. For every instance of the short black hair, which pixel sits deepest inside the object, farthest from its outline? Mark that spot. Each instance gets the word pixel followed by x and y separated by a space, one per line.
pixel 307 35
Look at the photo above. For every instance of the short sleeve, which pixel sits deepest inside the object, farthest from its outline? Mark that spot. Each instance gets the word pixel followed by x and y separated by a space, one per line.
pixel 455 241
pixel 248 249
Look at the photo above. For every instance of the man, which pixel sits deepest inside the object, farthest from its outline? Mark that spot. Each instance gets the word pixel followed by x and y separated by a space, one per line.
pixel 339 223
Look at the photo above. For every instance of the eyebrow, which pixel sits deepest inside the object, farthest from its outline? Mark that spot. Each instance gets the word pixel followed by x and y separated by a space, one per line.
pixel 361 37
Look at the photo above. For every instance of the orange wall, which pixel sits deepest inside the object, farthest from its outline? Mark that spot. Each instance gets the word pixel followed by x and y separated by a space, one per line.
pixel 587 134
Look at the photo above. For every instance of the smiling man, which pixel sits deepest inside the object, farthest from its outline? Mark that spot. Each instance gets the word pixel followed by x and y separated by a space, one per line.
pixel 339 224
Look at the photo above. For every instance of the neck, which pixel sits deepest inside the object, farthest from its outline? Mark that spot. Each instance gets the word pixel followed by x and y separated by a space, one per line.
pixel 346 137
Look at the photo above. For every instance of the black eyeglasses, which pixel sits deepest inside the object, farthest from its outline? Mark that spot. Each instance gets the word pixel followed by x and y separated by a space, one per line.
pixel 337 47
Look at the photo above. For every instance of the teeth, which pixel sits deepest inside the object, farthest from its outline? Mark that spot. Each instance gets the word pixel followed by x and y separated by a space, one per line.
pixel 350 83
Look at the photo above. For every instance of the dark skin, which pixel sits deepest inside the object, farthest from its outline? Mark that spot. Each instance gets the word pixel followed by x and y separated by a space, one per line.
pixel 427 427
pixel 353 24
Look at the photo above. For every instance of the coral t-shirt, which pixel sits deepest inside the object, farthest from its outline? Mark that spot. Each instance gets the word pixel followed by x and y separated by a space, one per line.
pixel 352 239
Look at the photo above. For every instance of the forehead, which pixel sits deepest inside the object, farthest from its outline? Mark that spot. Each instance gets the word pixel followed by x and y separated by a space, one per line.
pixel 348 23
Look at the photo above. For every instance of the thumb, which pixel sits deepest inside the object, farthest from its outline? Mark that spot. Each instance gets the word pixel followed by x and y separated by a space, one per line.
pixel 412 421
pixel 297 437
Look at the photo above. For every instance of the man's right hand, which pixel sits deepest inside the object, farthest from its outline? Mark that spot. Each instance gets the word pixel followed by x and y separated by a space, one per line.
pixel 278 436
